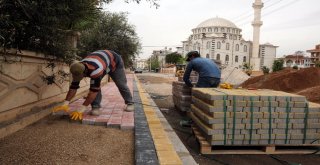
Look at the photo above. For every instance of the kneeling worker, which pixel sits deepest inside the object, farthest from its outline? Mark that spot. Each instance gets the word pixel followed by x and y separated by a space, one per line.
pixel 96 65
pixel 209 72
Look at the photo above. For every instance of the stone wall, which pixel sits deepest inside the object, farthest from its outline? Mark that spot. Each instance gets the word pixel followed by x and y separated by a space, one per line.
pixel 22 87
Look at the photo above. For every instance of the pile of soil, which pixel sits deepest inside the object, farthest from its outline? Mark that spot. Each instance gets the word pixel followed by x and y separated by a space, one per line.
pixel 304 82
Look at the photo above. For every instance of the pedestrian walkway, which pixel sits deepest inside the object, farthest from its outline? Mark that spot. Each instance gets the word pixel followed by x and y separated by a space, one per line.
pixel 112 107
pixel 155 140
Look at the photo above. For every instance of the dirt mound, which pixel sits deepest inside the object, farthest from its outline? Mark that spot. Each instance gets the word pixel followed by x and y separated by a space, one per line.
pixel 304 82
pixel 312 94
pixel 288 80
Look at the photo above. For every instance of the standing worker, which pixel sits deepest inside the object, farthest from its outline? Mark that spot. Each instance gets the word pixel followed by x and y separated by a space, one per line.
pixel 96 65
pixel 209 72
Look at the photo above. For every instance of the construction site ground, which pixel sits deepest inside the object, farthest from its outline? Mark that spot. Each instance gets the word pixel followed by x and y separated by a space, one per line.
pixel 160 88
pixel 57 140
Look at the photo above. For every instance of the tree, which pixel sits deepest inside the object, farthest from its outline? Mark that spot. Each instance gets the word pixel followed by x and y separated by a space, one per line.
pixel 277 65
pixel 44 26
pixel 265 70
pixel 247 68
pixel 111 31
pixel 174 58
pixel 317 64
pixel 153 2
pixel 154 63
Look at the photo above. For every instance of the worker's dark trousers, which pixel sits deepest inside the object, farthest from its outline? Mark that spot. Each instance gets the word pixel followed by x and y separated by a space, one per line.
pixel 207 82
pixel 119 78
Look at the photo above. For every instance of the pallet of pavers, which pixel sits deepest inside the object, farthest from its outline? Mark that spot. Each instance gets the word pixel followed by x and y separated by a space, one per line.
pixel 181 93
pixel 240 117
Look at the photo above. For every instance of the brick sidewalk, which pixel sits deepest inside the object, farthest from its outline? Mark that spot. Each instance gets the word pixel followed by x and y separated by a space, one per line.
pixel 112 107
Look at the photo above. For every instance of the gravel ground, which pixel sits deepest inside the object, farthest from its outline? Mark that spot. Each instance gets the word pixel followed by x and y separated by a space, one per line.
pixel 56 140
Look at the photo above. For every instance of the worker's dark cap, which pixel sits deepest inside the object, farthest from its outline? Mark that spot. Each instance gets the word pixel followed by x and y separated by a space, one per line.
pixel 192 53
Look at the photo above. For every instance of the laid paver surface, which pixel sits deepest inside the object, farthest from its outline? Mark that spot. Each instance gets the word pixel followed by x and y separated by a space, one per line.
pixel 112 107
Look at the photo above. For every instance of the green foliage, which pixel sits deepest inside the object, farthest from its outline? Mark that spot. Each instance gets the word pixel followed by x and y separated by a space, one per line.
pixel 317 64
pixel 154 63
pixel 247 68
pixel 174 58
pixel 112 31
pixel 44 26
pixel 152 2
pixel 295 67
pixel 277 65
pixel 265 70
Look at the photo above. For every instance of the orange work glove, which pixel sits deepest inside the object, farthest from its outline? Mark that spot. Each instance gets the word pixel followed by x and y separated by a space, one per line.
pixel 78 114
pixel 64 107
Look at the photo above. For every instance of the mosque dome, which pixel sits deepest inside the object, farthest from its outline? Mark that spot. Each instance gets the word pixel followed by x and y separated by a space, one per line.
pixel 217 22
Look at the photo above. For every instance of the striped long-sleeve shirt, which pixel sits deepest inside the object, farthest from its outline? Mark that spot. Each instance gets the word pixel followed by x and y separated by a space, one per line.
pixel 101 62
pixel 98 64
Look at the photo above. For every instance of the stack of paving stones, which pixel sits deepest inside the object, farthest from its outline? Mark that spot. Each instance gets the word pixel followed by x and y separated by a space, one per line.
pixel 255 117
pixel 181 93
pixel 112 108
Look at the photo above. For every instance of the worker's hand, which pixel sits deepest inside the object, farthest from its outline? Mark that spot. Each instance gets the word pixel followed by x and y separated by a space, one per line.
pixel 78 114
pixel 64 107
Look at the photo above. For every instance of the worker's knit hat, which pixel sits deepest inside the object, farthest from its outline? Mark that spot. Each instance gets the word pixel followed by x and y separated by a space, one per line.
pixel 77 70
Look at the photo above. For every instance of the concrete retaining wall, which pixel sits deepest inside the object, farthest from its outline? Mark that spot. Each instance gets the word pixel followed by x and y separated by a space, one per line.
pixel 23 88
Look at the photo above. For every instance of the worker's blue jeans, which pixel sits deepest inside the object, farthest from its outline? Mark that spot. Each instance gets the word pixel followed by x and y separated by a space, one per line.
pixel 119 78
pixel 207 82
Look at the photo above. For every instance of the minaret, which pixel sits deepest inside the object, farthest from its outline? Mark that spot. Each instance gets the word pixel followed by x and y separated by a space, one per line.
pixel 256 23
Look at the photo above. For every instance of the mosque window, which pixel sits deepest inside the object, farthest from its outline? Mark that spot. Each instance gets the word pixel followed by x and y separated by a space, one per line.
pixel 244 59
pixel 195 37
pixel 227 57
pixel 237 47
pixel 207 56
pixel 245 48
pixel 218 57
pixel 215 29
pixel 222 29
pixel 199 30
pixel 228 30
pixel 230 37
pixel 194 46
pixel 233 31
pixel 204 30
pixel 236 59
pixel 208 45
pixel 218 45
pixel 210 30
pixel 227 46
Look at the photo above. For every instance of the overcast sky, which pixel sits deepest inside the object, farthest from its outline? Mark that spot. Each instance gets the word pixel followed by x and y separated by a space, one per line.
pixel 290 24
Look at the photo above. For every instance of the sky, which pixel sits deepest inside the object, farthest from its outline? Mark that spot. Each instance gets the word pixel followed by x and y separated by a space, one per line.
pixel 290 24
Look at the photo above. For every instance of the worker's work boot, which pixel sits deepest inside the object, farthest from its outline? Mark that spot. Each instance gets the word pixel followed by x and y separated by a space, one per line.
pixel 130 107
pixel 96 111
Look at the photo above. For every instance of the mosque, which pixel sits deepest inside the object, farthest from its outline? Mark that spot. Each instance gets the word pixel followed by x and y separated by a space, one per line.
pixel 220 39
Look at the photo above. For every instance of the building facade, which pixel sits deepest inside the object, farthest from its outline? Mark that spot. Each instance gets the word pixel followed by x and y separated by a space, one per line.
pixel 298 60
pixel 161 55
pixel 315 55
pixel 141 64
pixel 267 54
pixel 221 40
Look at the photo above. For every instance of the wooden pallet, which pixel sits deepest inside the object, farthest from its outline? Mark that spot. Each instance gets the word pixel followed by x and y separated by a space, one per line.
pixel 206 148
